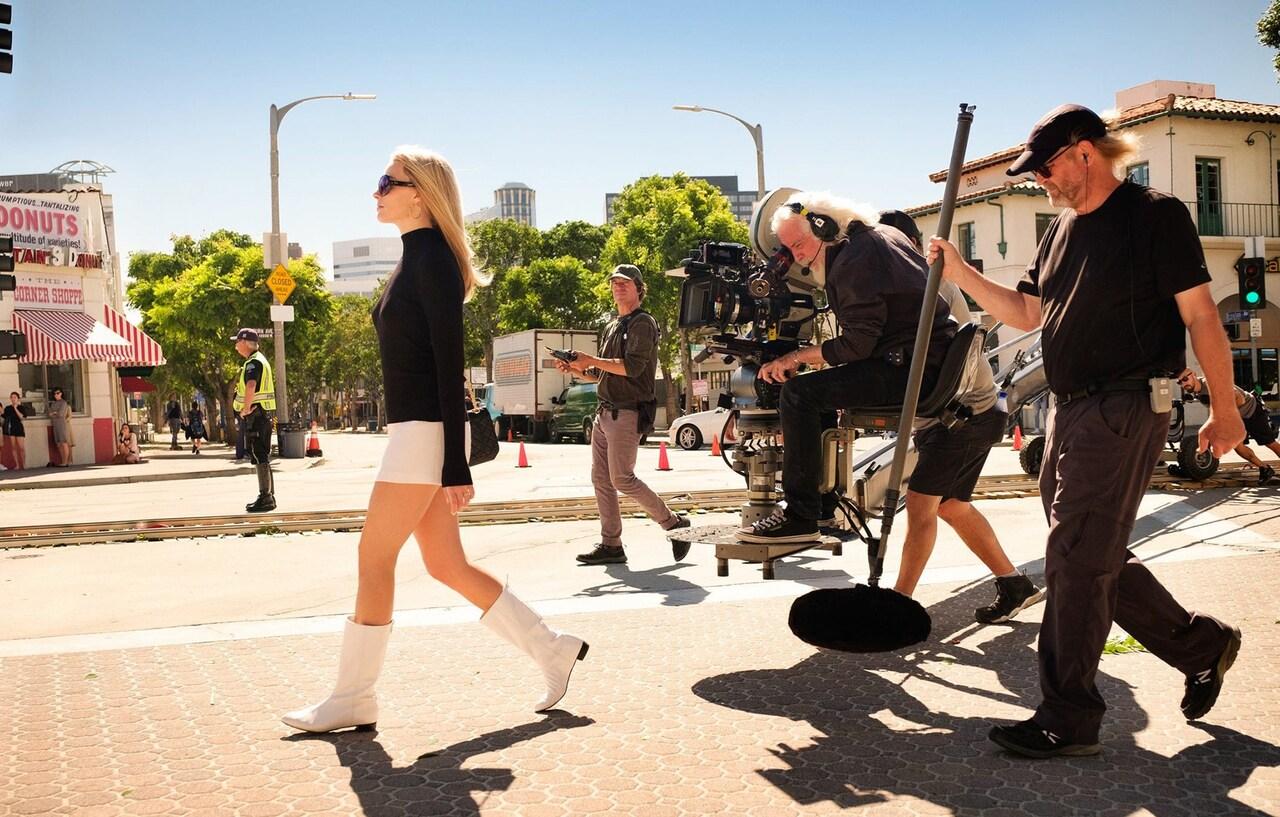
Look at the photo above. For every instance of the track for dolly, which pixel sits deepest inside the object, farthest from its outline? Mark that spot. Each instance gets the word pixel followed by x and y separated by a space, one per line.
pixel 479 513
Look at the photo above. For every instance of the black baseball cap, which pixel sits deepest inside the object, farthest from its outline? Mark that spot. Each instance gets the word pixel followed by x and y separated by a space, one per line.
pixel 901 221
pixel 247 334
pixel 627 271
pixel 1055 130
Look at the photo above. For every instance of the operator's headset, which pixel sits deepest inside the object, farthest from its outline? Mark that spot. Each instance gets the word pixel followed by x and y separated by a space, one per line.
pixel 823 226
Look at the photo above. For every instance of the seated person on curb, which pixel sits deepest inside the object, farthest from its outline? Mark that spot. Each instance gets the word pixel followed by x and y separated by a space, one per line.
pixel 949 464
pixel 126 447
pixel 629 357
pixel 875 282
pixel 1257 422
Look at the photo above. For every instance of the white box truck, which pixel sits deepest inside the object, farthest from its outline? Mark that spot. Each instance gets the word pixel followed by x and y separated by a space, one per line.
pixel 525 377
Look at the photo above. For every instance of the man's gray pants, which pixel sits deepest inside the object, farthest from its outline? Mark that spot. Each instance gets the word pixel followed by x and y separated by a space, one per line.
pixel 614 444
pixel 1098 461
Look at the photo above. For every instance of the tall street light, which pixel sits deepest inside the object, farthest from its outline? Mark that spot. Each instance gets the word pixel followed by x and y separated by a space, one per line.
pixel 275 254
pixel 757 135
pixel 1271 168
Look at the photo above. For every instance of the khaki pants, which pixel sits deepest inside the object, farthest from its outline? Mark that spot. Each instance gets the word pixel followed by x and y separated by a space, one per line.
pixel 614 443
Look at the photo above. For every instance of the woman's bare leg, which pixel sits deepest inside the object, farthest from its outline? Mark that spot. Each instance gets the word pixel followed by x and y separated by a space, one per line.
pixel 395 509
pixel 441 547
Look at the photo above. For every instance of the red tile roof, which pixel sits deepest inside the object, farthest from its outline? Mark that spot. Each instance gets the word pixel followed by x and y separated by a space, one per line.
pixel 1023 188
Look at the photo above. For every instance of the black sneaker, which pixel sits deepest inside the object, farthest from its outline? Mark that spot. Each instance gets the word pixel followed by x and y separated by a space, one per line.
pixel 1265 473
pixel 604 555
pixel 1030 739
pixel 1203 687
pixel 1013 595
pixel 680 547
pixel 681 522
pixel 780 527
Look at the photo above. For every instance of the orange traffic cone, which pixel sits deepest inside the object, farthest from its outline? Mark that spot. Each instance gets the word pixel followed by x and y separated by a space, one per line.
pixel 715 445
pixel 523 461
pixel 1017 438
pixel 663 463
pixel 510 437
pixel 313 444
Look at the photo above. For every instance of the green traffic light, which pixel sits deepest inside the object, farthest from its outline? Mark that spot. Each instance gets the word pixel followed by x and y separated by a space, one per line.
pixel 1251 298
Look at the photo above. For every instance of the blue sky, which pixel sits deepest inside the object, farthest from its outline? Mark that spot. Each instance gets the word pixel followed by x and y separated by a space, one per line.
pixel 572 98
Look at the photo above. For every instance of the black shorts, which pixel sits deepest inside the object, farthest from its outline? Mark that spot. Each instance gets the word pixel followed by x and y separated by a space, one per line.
pixel 950 460
pixel 1258 426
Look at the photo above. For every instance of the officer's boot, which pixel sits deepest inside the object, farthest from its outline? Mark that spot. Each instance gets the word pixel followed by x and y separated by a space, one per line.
pixel 266 500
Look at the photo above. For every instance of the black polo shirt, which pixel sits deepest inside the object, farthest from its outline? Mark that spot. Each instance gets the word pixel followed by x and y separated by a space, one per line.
pixel 1106 282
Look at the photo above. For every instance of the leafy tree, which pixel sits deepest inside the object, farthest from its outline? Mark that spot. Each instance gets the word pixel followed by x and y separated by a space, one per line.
pixel 550 293
pixel 194 299
pixel 1269 31
pixel 347 352
pixel 657 221
pixel 580 239
pixel 499 245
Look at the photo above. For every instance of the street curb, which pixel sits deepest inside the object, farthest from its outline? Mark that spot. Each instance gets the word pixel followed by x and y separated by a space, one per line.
pixel 112 479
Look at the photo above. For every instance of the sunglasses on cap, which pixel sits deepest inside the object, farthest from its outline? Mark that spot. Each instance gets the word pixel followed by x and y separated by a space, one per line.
pixel 1043 171
pixel 385 183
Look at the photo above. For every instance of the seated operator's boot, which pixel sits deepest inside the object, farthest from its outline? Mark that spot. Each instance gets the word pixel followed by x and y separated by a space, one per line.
pixel 353 701
pixel 555 653
pixel 266 500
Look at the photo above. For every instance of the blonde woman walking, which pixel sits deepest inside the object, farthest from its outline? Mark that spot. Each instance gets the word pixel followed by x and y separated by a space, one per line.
pixel 424 479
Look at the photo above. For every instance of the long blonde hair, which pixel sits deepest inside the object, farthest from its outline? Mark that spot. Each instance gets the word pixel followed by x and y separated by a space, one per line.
pixel 841 209
pixel 435 184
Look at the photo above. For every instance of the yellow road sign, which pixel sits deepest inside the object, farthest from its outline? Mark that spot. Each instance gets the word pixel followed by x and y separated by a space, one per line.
pixel 281 283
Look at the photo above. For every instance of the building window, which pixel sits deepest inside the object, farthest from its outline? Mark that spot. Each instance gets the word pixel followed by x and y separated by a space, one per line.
pixel 359 252
pixel 1043 220
pixel 967 240
pixel 1209 196
pixel 37 381
pixel 1140 174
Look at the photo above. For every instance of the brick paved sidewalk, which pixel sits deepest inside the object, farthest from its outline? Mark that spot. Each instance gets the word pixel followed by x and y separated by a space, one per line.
pixel 713 708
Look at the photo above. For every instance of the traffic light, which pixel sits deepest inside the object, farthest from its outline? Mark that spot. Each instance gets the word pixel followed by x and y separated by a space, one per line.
pixel 12 344
pixel 1253 282
pixel 6 39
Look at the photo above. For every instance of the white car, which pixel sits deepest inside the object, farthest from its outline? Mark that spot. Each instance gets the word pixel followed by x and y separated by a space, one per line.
pixel 692 431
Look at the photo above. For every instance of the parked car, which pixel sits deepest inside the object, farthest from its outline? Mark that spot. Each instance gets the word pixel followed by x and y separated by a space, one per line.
pixel 573 413
pixel 692 431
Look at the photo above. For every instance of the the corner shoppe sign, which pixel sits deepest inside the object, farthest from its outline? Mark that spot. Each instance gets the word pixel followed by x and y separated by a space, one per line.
pixel 51 229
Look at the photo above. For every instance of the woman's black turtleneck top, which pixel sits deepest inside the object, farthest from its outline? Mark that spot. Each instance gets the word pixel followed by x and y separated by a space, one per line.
pixel 419 325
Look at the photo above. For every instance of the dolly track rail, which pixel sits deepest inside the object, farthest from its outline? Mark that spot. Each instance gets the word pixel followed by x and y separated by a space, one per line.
pixel 479 513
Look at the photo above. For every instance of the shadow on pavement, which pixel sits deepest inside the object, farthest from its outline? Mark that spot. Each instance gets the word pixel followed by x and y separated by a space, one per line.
pixel 676 591
pixel 435 783
pixel 879 742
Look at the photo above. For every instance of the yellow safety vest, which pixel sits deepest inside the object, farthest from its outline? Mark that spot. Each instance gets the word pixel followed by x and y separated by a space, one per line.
pixel 265 396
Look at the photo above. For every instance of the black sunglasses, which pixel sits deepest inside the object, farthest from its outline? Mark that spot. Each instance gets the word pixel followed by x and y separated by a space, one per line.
pixel 386 183
pixel 1043 170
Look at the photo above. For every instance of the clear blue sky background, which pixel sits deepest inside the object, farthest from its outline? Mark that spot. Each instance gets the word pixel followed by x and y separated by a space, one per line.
pixel 572 98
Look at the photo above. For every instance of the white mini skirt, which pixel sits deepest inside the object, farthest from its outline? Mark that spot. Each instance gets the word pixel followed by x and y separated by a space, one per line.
pixel 415 452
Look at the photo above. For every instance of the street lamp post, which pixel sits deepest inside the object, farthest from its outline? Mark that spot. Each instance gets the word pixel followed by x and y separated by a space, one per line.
pixel 1271 168
pixel 275 254
pixel 757 135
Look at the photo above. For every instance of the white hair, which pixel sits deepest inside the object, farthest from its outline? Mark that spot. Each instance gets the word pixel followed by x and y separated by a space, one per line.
pixel 824 203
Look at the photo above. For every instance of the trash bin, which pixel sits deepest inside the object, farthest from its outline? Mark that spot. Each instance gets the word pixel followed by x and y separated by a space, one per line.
pixel 292 439
pixel 373 425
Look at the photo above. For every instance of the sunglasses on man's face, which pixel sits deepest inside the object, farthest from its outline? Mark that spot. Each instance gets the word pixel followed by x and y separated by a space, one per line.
pixel 386 183
pixel 1046 172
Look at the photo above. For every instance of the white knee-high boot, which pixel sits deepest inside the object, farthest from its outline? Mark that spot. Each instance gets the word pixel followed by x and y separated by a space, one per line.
pixel 555 653
pixel 353 701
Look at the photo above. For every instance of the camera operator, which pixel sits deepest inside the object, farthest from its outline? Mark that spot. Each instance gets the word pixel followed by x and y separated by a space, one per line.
pixel 626 414
pixel 874 281
pixel 949 464
pixel 1117 281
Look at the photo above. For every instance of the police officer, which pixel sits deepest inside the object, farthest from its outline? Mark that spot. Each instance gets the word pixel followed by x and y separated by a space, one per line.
pixel 255 404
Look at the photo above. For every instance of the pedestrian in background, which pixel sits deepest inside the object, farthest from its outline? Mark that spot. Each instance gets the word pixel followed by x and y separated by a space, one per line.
pixel 425 480
pixel 196 432
pixel 60 420
pixel 625 372
pixel 126 447
pixel 15 432
pixel 255 402
pixel 173 415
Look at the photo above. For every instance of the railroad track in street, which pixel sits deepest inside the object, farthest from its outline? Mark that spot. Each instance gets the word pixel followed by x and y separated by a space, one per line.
pixel 482 513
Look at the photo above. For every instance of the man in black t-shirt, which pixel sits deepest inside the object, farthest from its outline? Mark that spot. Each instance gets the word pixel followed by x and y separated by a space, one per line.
pixel 1118 280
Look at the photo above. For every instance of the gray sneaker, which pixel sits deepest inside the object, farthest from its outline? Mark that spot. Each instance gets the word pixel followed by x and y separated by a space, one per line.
pixel 1013 595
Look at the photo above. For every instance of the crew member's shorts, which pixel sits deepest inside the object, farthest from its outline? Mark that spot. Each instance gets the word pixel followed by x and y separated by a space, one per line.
pixel 950 460
pixel 415 452
pixel 1258 426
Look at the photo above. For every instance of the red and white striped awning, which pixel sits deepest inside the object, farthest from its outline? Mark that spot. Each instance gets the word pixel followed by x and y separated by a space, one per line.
pixel 146 352
pixel 57 337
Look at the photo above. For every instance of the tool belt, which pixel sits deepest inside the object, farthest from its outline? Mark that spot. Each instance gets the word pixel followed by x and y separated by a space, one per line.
pixel 1123 384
